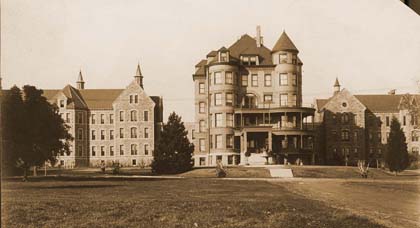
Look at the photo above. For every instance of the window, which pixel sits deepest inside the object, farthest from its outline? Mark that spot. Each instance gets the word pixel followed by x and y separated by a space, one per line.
pixel 121 116
pixel 414 136
pixel 211 141
pixel 111 118
pixel 111 151
pixel 283 58
pixel 79 117
pixel 111 134
pixel 404 121
pixel 136 98
pixel 294 100
pixel 415 151
pixel 102 134
pixel 229 141
pixel 217 99
pixel 202 145
pixel 229 99
pixel 133 149
pixel 202 107
pixel 93 119
pixel 68 117
pixel 229 78
pixel 146 149
pixel 218 121
pixel 93 135
pixel 230 159
pixel 283 79
pixel 294 82
pixel 134 162
pixel 254 80
pixel 217 78
pixel 267 80
pixel 294 59
pixel 133 131
pixel 93 151
pixel 218 141
pixel 202 161
pixel 229 119
pixel 102 118
pixel 202 126
pixel 268 98
pixel 345 118
pixel 244 80
pixel 121 133
pixel 121 149
pixel 133 115
pixel 387 121
pixel 201 88
pixel 61 103
pixel 252 60
pixel 131 99
pixel 379 136
pixel 80 134
pixel 355 136
pixel 146 133
pixel 192 134
pixel 283 99
pixel 146 115
pixel 102 151
pixel 223 57
pixel 345 135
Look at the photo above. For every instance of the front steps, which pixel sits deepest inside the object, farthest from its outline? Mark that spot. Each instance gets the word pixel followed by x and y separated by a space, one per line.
pixel 281 172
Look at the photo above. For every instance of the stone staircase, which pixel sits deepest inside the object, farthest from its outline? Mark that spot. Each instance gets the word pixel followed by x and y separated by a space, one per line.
pixel 281 172
pixel 257 159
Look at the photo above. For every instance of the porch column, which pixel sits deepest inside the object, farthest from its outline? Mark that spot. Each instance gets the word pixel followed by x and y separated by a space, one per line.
pixel 244 159
pixel 270 141
pixel 301 121
pixel 301 141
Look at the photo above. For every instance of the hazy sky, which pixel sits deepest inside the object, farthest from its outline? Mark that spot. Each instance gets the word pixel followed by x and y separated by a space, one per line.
pixel 372 46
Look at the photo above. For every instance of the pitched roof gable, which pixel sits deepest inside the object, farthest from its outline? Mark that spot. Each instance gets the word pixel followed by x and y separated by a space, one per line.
pixel 284 43
pixel 380 102
pixel 100 98
pixel 248 45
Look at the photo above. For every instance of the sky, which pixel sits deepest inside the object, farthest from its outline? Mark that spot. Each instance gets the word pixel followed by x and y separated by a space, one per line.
pixel 371 46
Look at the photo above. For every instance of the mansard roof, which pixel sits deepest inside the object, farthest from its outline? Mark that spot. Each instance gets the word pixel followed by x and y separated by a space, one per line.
pixel 284 43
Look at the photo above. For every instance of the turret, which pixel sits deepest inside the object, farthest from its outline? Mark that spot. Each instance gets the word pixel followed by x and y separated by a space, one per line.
pixel 80 83
pixel 139 77
pixel 336 86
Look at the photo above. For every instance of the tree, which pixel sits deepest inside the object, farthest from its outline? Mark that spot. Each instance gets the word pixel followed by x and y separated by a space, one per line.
pixel 397 155
pixel 33 130
pixel 173 150
pixel 12 128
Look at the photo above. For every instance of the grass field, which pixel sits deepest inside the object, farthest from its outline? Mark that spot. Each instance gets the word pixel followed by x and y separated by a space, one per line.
pixel 232 172
pixel 166 203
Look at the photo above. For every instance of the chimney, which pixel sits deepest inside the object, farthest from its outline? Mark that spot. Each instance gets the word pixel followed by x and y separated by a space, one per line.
pixel 391 92
pixel 259 38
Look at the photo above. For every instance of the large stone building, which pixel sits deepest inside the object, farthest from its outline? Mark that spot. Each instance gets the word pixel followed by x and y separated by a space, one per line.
pixel 110 125
pixel 356 127
pixel 248 105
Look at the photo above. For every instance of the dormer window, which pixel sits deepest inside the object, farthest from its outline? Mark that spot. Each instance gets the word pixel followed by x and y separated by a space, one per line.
pixel 224 57
pixel 249 60
pixel 62 103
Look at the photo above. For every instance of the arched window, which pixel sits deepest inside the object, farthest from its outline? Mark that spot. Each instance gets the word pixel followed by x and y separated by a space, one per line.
pixel 133 149
pixel 133 132
pixel 345 118
pixel 133 115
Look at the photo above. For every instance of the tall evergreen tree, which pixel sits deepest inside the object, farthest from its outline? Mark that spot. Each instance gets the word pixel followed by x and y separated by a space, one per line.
pixel 397 155
pixel 33 129
pixel 173 150
pixel 12 118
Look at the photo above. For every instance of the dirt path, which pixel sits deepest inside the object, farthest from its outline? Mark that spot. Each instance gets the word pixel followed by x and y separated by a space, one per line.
pixel 392 203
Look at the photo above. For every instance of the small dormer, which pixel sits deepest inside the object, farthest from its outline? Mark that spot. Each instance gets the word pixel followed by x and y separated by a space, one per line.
pixel 62 102
pixel 223 55
pixel 250 60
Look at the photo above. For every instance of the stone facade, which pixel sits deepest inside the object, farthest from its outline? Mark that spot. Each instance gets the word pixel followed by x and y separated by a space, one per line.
pixel 248 105
pixel 109 125
pixel 356 127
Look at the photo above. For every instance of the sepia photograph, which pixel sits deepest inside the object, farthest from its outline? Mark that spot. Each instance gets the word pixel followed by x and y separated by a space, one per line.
pixel 210 113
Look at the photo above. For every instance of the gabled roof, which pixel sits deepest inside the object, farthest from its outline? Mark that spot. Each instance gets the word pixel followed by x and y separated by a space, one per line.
pixel 100 98
pixel 248 45
pixel 381 102
pixel 211 54
pixel 320 103
pixel 284 43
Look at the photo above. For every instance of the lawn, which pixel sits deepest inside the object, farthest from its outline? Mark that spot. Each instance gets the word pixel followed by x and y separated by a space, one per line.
pixel 197 202
pixel 232 172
